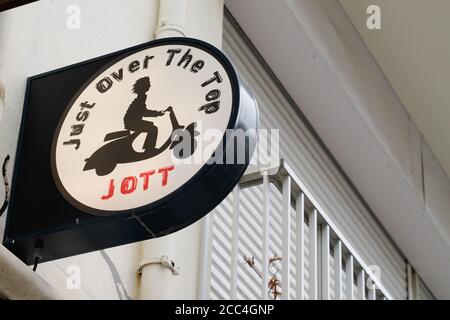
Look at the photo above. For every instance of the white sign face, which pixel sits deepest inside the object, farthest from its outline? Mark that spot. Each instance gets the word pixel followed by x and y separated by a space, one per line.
pixel 114 147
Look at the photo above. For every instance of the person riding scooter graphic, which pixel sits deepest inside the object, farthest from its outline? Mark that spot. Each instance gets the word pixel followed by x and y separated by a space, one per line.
pixel 133 119
pixel 120 149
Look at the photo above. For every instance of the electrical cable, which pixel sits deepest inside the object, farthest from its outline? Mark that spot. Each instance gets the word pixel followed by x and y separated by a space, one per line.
pixel 38 253
pixel 5 181
pixel 36 262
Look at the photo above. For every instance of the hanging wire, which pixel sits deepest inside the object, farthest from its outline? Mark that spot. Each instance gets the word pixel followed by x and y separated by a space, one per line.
pixel 5 181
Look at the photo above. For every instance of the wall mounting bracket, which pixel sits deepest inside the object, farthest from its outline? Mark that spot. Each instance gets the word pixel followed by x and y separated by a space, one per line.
pixel 164 261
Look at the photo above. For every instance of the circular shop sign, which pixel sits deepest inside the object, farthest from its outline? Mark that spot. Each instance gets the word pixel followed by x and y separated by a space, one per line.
pixel 115 146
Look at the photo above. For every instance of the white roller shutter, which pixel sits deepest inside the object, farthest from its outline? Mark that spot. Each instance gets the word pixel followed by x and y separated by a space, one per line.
pixel 313 165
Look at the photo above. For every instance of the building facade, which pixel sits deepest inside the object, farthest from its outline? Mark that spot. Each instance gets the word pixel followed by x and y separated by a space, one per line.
pixel 355 208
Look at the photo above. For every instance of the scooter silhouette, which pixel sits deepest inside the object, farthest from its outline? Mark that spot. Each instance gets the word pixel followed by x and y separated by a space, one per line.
pixel 120 149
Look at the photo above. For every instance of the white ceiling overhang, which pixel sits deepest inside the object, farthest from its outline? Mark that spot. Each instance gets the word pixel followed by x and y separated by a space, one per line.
pixel 413 49
pixel 317 54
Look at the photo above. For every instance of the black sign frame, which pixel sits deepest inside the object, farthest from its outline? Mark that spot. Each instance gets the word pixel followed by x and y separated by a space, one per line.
pixel 63 230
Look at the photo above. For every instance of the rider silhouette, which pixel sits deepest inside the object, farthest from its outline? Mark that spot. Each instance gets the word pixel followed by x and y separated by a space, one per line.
pixel 119 144
pixel 133 119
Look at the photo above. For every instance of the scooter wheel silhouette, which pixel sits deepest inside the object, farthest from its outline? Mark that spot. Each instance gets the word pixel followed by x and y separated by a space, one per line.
pixel 101 165
pixel 103 171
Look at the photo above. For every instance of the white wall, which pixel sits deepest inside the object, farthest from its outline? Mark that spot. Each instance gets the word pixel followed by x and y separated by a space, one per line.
pixel 34 39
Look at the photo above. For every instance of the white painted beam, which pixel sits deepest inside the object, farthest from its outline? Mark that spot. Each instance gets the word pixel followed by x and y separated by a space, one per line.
pixel 265 237
pixel 300 247
pixel 235 242
pixel 338 270
pixel 350 276
pixel 286 252
pixel 313 281
pixel 361 284
pixel 325 261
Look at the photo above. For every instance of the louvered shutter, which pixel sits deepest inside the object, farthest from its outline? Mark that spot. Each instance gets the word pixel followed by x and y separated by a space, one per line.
pixel 305 154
